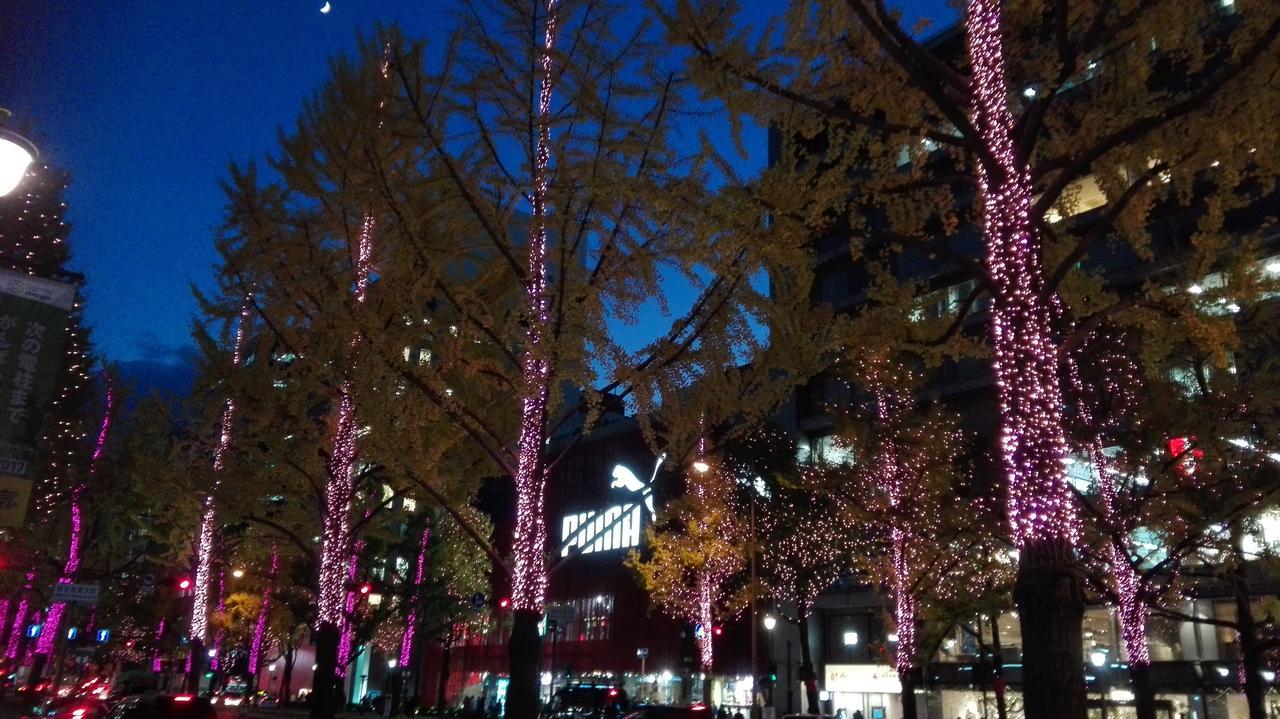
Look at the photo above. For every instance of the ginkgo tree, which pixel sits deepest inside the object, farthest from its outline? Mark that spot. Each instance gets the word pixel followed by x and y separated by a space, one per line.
pixel 524 191
pixel 1013 164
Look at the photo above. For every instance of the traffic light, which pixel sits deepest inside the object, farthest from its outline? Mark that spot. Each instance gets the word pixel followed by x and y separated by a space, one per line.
pixel 366 588
pixel 504 602
pixel 717 630
pixel 184 584
pixel 773 672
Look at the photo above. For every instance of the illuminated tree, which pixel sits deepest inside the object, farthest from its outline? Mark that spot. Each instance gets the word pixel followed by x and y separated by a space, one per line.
pixel 695 558
pixel 1179 468
pixel 806 547
pixel 1058 130
pixel 508 244
pixel 52 626
pixel 34 238
pixel 927 532
pixel 205 535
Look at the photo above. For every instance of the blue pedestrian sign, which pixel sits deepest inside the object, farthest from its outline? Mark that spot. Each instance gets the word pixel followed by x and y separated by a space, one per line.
pixel 73 632
pixel 33 630
pixel 102 635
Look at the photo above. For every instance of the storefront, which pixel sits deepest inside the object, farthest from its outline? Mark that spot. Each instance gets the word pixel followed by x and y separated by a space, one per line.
pixel 869 690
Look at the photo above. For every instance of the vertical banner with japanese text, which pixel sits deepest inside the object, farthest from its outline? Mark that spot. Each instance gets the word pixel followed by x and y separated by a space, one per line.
pixel 33 328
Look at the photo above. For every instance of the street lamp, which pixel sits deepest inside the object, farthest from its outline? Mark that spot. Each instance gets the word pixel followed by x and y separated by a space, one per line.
pixel 770 622
pixel 237 573
pixel 16 155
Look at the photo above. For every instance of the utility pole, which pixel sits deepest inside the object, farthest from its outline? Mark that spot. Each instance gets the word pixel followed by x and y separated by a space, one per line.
pixel 790 685
pixel 755 660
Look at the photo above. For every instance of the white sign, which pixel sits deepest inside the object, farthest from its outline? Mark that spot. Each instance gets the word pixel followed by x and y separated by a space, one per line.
pixel 614 528
pixel 864 678
pixel 80 593
pixel 617 527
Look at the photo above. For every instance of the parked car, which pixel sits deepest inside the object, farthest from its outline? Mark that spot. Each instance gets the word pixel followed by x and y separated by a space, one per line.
pixel 662 711
pixel 66 708
pixel 163 706
pixel 590 701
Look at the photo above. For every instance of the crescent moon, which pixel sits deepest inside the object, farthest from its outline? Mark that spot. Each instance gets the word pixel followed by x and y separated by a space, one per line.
pixel 327 7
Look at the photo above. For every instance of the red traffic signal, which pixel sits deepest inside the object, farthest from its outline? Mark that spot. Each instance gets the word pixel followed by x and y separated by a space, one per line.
pixel 366 588
pixel 184 583
pixel 717 630
pixel 504 602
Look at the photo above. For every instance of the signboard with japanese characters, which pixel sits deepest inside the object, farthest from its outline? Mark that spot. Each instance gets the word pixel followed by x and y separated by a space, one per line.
pixel 33 324
pixel 75 593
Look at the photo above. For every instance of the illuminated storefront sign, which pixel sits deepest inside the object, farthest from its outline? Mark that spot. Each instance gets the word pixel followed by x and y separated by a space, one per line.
pixel 616 527
pixel 862 678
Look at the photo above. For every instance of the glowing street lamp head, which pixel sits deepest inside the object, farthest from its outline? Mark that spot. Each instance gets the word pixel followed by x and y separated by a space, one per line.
pixel 238 573
pixel 16 155
pixel 701 467
pixel 770 622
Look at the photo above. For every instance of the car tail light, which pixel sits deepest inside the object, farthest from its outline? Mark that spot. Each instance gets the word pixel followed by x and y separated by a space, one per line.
pixel 182 698
pixel 78 712
pixel 698 707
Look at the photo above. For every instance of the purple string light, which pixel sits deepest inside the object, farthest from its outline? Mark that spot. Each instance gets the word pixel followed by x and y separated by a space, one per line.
pixel 18 628
pixel 529 575
pixel 199 628
pixel 4 619
pixel 348 613
pixel 888 404
pixel 216 657
pixel 260 628
pixel 1119 386
pixel 339 491
pixel 156 666
pixel 53 622
pixel 411 621
pixel 1040 504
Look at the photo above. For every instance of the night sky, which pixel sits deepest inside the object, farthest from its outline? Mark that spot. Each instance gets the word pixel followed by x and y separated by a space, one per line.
pixel 146 101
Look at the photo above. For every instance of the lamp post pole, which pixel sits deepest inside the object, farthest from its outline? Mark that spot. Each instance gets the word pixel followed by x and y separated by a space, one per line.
pixel 554 628
pixel 755 659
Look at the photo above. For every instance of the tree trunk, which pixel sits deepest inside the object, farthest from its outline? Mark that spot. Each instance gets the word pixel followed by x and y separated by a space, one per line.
pixel 324 699
pixel 37 669
pixel 445 658
pixel 1250 652
pixel 997 670
pixel 807 673
pixel 524 650
pixel 286 679
pixel 1050 601
pixel 908 679
pixel 1144 695
pixel 706 686
pixel 196 667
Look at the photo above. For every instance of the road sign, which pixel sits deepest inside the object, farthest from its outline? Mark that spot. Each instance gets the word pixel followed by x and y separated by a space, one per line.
pixel 76 593
pixel 477 600
pixel 148 580
pixel 102 636
pixel 642 652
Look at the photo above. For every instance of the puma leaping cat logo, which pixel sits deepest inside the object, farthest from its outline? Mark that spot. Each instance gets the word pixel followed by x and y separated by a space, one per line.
pixel 624 478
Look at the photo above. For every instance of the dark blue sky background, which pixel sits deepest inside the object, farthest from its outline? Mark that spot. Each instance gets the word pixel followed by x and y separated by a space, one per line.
pixel 146 101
